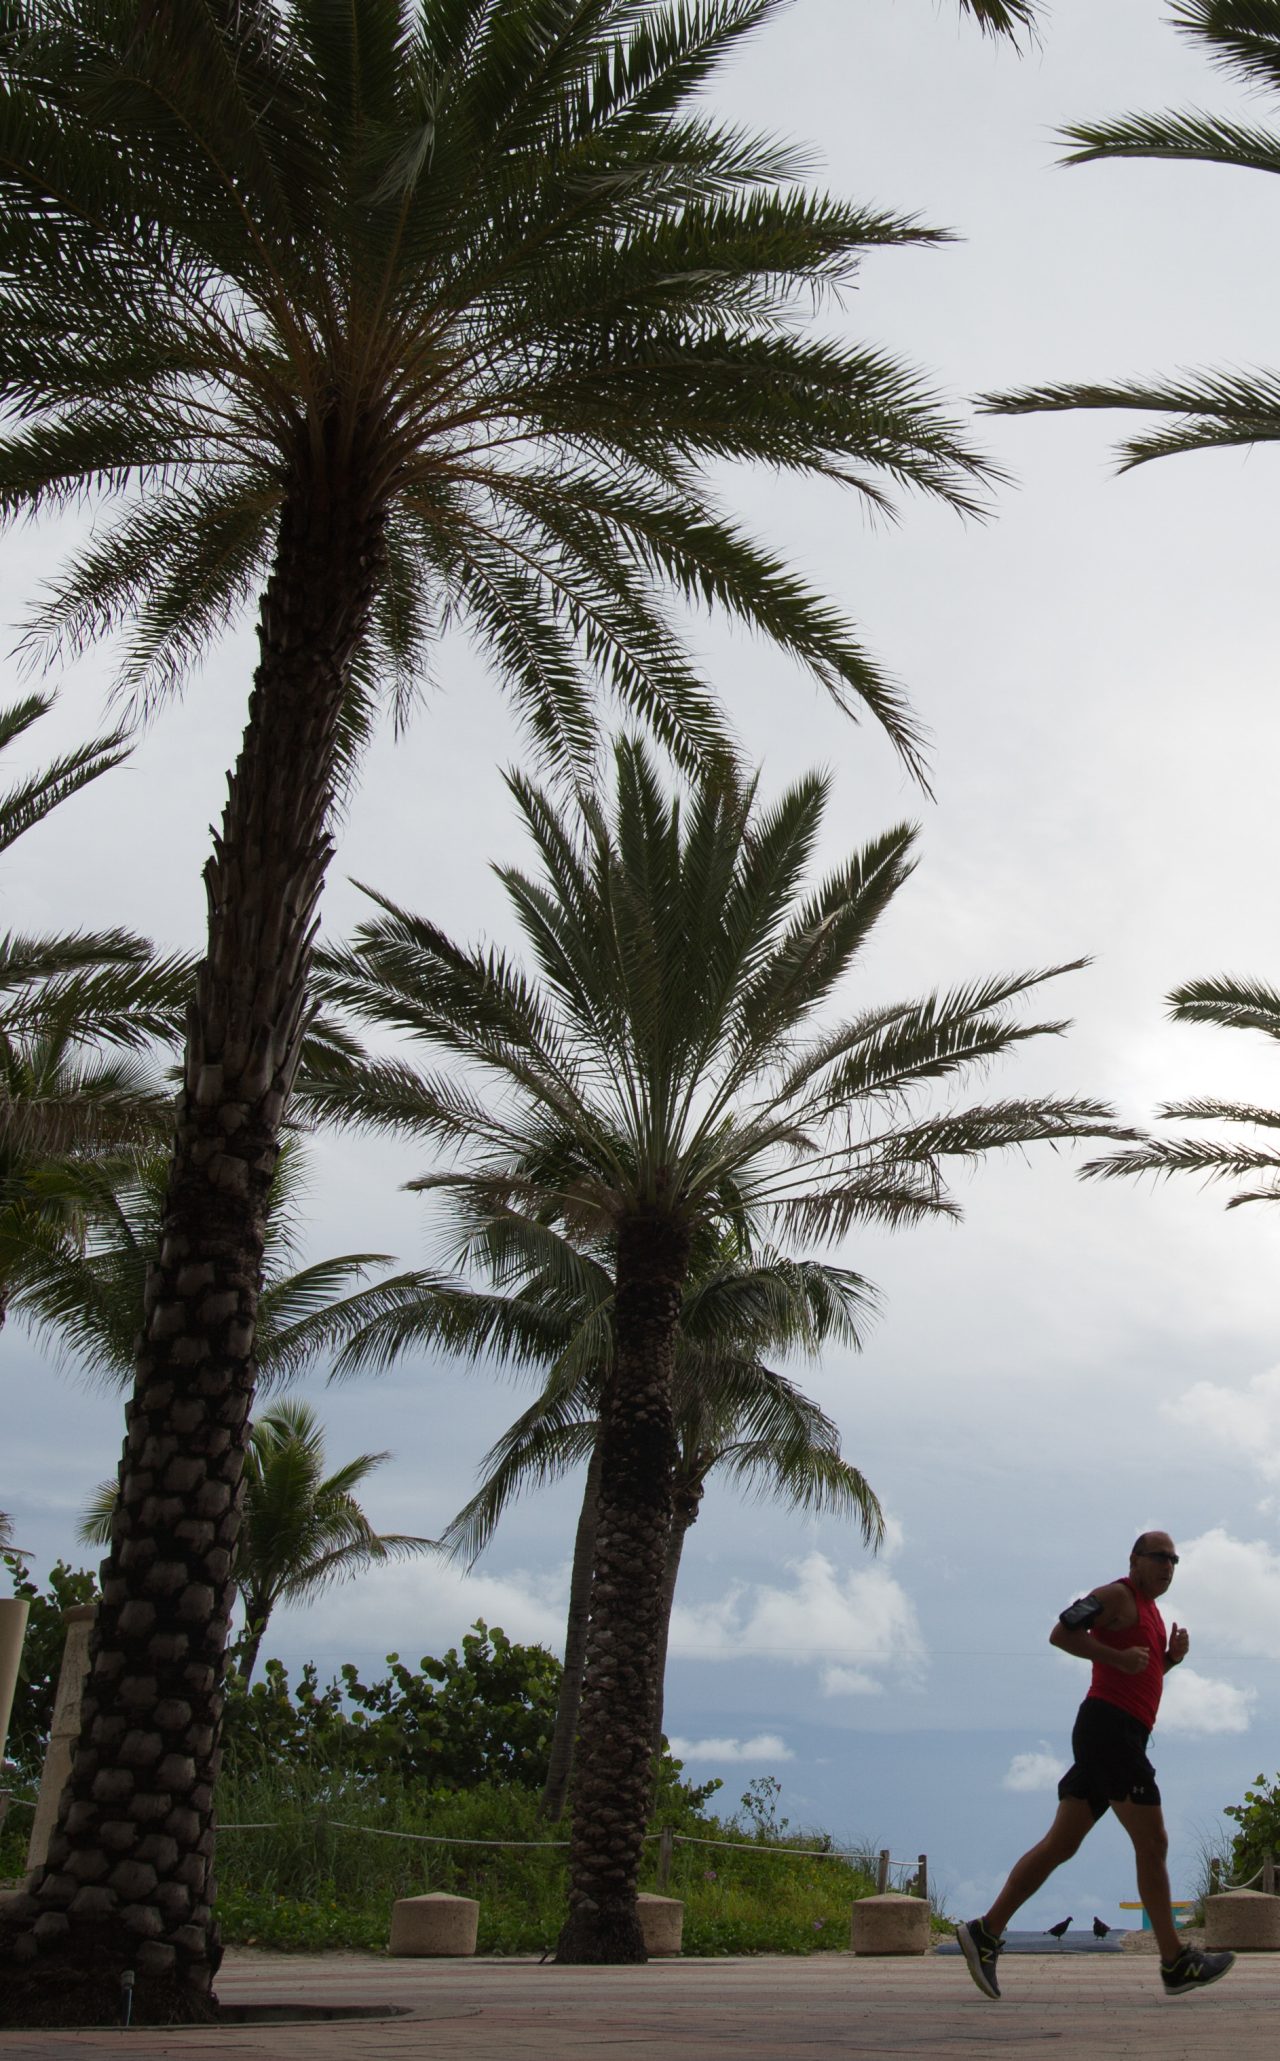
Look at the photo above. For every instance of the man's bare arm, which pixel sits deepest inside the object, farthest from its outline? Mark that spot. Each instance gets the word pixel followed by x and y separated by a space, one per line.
pixel 1118 1610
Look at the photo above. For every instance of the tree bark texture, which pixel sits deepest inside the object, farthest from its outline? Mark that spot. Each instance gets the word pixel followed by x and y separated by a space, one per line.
pixel 686 1502
pixel 564 1736
pixel 129 1879
pixel 613 1779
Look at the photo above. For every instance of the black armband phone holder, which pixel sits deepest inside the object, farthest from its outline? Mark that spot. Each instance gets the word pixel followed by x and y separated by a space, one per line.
pixel 1080 1613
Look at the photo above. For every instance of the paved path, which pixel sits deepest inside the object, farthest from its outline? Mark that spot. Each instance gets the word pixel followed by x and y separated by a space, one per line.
pixel 1067 2008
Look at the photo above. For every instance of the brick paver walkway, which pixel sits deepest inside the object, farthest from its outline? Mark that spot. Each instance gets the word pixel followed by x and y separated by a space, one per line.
pixel 1065 2008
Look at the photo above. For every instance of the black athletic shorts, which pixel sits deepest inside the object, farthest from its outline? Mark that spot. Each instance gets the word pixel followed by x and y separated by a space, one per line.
pixel 1111 1765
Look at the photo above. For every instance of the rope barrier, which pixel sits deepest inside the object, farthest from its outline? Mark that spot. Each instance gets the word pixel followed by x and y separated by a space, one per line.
pixel 815 1853
pixel 381 1832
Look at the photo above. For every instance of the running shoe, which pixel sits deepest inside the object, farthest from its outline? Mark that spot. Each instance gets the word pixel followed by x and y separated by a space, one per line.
pixel 981 1950
pixel 1192 1970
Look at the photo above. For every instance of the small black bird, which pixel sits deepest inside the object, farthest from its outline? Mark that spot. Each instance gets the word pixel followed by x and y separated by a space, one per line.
pixel 1100 1930
pixel 1056 1931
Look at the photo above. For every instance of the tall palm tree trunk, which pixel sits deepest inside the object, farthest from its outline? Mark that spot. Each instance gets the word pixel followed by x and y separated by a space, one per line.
pixel 564 1736
pixel 129 1882
pixel 687 1500
pixel 613 1780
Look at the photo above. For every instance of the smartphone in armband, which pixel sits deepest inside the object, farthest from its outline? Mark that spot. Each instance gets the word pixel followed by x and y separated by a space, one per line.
pixel 1081 1613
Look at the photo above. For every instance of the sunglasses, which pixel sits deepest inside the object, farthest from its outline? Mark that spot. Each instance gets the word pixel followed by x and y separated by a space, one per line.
pixel 1171 1558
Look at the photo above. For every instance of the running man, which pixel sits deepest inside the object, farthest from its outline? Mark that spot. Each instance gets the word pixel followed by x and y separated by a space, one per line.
pixel 1119 1629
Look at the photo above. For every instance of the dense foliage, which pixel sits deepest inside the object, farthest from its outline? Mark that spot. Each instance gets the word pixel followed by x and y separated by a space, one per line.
pixel 484 1714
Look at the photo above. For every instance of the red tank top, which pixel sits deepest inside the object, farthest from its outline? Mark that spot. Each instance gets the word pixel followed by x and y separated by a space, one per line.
pixel 1138 1694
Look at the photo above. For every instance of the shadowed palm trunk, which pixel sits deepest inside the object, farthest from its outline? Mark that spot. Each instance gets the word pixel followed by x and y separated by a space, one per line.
pixel 613 1779
pixel 686 1504
pixel 564 1737
pixel 129 1882
pixel 251 1644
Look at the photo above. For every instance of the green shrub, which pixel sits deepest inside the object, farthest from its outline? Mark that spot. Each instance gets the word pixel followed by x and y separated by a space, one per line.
pixel 485 1714
pixel 1259 1820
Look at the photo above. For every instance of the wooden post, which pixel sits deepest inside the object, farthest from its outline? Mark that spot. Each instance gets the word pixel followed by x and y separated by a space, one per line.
pixel 922 1879
pixel 1215 1876
pixel 1268 1874
pixel 13 1630
pixel 882 1872
pixel 666 1847
pixel 65 1729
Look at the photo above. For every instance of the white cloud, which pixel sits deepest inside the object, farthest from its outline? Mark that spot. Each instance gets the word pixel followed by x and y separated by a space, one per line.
pixel 1199 1704
pixel 850 1681
pixel 853 1623
pixel 424 1607
pixel 765 1746
pixel 1040 1770
pixel 1228 1593
pixel 1242 1421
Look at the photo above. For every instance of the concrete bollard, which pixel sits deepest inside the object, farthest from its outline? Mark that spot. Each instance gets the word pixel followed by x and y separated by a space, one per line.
pixel 662 1924
pixel 13 1630
pixel 65 1729
pixel 1243 1919
pixel 434 1924
pixel 890 1925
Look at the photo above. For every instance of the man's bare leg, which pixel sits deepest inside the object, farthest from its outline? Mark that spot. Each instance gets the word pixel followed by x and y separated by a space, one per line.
pixel 1074 1820
pixel 1144 1823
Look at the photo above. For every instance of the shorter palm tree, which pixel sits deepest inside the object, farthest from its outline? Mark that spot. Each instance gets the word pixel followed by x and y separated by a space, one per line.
pixel 1233 1005
pixel 301 1530
pixel 668 1079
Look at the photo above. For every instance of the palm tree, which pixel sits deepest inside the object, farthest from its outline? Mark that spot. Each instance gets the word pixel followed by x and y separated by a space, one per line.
pixel 428 311
pixel 1234 1005
pixel 665 1081
pixel 552 1310
pixel 302 1530
pixel 1209 409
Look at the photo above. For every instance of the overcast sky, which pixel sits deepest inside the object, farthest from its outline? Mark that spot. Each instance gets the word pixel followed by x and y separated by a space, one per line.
pixel 1097 668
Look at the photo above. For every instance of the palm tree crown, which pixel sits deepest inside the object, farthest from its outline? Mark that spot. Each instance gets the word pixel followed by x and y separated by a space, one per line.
pixel 495 273
pixel 659 1066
